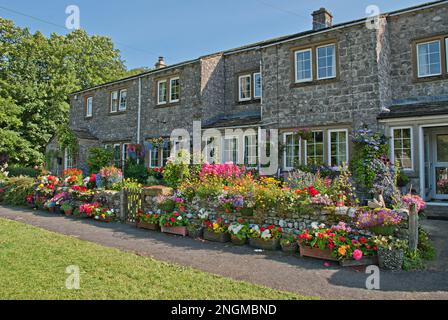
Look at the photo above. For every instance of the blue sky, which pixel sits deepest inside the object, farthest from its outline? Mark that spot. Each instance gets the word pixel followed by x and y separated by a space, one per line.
pixel 186 29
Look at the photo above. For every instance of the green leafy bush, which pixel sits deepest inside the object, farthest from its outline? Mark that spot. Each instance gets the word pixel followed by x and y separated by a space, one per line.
pixel 153 181
pixel 136 171
pixel 99 158
pixel 177 170
pixel 17 171
pixel 17 189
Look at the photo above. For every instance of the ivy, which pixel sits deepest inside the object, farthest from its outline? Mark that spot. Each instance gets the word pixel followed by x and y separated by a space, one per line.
pixel 67 139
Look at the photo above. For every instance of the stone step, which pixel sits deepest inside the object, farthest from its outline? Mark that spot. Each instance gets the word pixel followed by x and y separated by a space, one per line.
pixel 436 212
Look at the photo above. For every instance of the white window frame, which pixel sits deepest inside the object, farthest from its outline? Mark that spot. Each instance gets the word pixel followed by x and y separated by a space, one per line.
pixel 240 98
pixel 214 145
pixel 392 146
pixel 160 156
pixel 112 101
pixel 69 162
pixel 255 83
pixel 89 107
pixel 334 62
pixel 255 149
pixel 158 92
pixel 329 145
pixel 418 59
pixel 323 147
pixel 119 100
pixel 171 90
pixel 285 167
pixel 223 155
pixel 296 65
pixel 446 54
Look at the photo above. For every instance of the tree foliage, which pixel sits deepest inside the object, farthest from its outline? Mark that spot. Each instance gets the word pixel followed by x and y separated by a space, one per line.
pixel 37 74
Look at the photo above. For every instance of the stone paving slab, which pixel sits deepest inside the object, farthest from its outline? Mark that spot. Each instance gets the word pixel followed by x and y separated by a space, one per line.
pixel 273 269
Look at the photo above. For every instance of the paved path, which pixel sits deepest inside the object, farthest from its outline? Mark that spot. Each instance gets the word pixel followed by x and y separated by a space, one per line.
pixel 304 276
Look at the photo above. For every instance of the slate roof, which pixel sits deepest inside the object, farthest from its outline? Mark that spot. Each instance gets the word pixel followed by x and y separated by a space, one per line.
pixel 416 110
pixel 84 135
pixel 234 121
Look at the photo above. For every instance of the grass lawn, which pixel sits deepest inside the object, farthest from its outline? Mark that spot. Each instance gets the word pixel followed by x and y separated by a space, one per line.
pixel 33 264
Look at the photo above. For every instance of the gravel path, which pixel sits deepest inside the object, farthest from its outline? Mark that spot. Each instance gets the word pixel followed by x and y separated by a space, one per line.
pixel 273 269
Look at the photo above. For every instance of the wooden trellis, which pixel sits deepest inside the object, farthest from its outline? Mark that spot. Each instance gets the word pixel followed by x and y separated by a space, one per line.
pixel 131 203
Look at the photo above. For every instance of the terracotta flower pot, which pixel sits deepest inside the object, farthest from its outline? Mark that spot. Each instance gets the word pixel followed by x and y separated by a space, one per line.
pixel 216 237
pixel 68 212
pixel 272 244
pixel 148 226
pixel 238 242
pixel 52 209
pixel 179 231
pixel 290 248
pixel 317 253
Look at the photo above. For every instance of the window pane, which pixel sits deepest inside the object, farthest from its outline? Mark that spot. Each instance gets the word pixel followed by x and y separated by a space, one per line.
pixel 429 59
pixel 304 65
pixel 123 99
pixel 338 150
pixel 114 101
pixel 174 90
pixel 250 150
pixel 315 149
pixel 244 88
pixel 326 60
pixel 154 158
pixel 117 155
pixel 257 85
pixel 162 92
pixel 403 147
pixel 89 106
pixel 292 151
pixel 231 150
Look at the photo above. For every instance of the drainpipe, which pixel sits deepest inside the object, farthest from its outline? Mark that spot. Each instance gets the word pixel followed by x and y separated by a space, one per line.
pixel 139 111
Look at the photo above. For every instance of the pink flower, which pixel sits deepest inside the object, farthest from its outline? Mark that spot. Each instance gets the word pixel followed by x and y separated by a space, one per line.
pixel 357 255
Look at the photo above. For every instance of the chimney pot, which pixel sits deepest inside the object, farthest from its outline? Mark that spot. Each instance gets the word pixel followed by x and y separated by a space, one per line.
pixel 322 19
pixel 160 63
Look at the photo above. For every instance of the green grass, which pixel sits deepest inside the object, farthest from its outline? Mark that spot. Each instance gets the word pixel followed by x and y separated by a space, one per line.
pixel 33 263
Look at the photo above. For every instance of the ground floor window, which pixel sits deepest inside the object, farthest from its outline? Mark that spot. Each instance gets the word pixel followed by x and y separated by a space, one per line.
pixel 292 150
pixel 315 149
pixel 338 147
pixel 69 159
pixel 230 149
pixel 251 150
pixel 211 151
pixel 402 147
pixel 154 157
pixel 117 155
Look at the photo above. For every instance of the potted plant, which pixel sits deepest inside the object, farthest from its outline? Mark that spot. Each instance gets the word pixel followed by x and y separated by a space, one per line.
pixel 381 222
pixel 103 214
pixel 51 206
pixel 266 238
pixel 390 252
pixel 238 233
pixel 216 231
pixel 149 221
pixel 289 243
pixel 318 243
pixel 67 207
pixel 195 229
pixel 86 210
pixel 174 223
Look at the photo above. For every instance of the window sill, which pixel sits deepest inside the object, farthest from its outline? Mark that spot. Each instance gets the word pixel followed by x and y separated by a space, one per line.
pixel 258 100
pixel 167 105
pixel 313 82
pixel 117 113
pixel 88 117
pixel 431 78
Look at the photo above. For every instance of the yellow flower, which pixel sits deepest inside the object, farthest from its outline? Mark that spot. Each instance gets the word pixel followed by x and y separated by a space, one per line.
pixel 342 250
pixel 215 226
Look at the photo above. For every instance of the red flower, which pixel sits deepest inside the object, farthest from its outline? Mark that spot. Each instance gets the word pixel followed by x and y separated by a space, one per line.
pixel 363 240
pixel 271 227
pixel 375 248
pixel 173 220
pixel 342 239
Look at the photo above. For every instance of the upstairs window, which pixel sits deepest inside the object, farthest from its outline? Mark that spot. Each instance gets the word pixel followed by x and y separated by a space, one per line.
pixel 162 92
pixel 174 90
pixel 429 61
pixel 89 106
pixel 326 62
pixel 114 101
pixel 304 65
pixel 244 86
pixel 123 99
pixel 257 85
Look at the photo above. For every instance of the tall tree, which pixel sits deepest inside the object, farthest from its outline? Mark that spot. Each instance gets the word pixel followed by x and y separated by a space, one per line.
pixel 37 74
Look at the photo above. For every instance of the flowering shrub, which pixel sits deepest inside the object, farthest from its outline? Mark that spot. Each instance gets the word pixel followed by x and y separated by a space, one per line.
pixel 266 233
pixel 175 219
pixel 88 209
pixel 384 217
pixel 48 185
pixel 390 243
pixel 103 213
pixel 218 226
pixel 90 182
pixel 231 203
pixel 60 198
pixel 410 199
pixel 239 230
pixel 322 200
pixel 226 170
pixel 110 176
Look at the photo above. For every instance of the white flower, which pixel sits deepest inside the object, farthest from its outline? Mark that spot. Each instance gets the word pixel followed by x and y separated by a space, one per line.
pixel 266 234
pixel 322 226
pixel 179 218
pixel 314 225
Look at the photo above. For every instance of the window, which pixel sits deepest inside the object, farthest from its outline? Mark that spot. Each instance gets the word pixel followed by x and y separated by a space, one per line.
pixel 257 85
pixel 89 106
pixel 338 147
pixel 402 147
pixel 161 92
pixel 304 65
pixel 429 59
pixel 315 149
pixel 244 87
pixel 326 62
pixel 154 157
pixel 117 155
pixel 174 90
pixel 231 150
pixel 123 99
pixel 114 101
pixel 251 150
pixel 292 151
pixel 69 159
pixel 166 153
pixel 446 54
pixel 210 151
pixel 124 156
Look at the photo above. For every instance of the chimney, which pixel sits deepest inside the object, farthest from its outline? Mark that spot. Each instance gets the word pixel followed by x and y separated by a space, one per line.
pixel 322 19
pixel 160 64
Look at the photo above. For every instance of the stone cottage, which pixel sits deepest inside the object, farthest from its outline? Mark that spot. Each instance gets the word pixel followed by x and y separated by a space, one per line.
pixel 388 73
